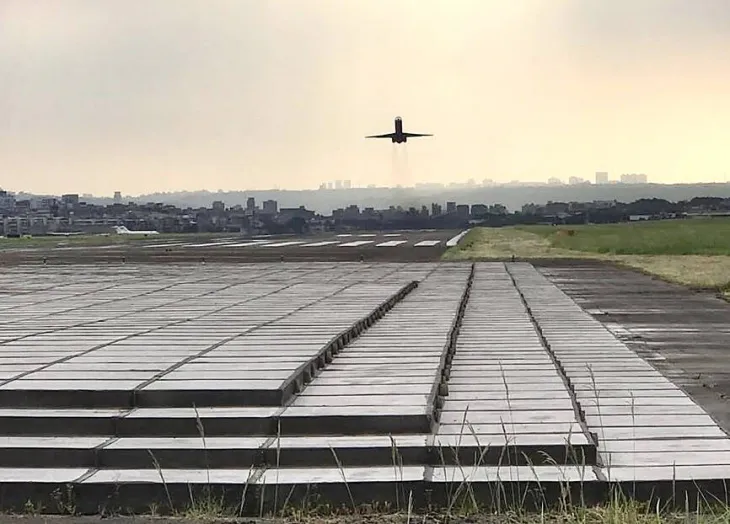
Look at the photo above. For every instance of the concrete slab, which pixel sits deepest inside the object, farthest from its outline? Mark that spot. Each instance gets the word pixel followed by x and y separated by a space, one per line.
pixel 489 474
pixel 41 475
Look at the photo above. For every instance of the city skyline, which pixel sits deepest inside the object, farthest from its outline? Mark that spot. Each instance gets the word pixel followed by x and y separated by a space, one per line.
pixel 182 95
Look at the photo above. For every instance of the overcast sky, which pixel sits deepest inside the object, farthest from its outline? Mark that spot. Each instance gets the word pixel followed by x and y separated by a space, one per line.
pixel 150 95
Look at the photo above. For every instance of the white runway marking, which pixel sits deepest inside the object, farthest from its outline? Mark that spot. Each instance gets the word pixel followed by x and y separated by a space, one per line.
pixel 282 244
pixel 392 243
pixel 325 243
pixel 424 243
pixel 453 241
pixel 392 235
pixel 208 244
pixel 164 245
pixel 367 235
pixel 246 244
pixel 357 243
pixel 344 235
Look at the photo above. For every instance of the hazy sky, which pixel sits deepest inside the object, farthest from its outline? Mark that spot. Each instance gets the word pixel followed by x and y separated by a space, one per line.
pixel 148 95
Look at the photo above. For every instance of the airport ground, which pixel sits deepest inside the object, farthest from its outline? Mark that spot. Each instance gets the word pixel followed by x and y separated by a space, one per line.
pixel 680 331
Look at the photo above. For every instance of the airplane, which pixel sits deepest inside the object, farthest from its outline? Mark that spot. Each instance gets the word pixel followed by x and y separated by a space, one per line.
pixel 63 234
pixel 399 136
pixel 122 230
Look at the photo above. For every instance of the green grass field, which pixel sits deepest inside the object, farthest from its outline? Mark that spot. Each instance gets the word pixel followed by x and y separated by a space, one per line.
pixel 665 237
pixel 693 252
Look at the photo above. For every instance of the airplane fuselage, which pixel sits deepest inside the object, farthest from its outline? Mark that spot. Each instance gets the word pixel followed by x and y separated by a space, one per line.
pixel 399 137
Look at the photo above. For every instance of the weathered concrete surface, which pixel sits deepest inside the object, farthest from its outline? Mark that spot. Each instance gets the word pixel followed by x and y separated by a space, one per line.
pixel 499 359
pixel 525 368
pixel 683 333
pixel 565 326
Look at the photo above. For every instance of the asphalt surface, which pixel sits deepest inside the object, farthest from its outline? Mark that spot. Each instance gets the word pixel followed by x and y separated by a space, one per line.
pixel 684 334
pixel 391 246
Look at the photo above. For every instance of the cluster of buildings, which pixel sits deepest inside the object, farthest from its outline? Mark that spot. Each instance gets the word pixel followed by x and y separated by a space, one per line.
pixel 71 214
pixel 602 178
pixel 337 185
pixel 41 216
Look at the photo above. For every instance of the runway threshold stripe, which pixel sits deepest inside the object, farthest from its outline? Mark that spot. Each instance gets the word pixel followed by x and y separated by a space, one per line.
pixel 453 241
pixel 246 244
pixel 424 243
pixel 326 243
pixel 392 243
pixel 283 244
pixel 149 246
pixel 357 243
pixel 208 244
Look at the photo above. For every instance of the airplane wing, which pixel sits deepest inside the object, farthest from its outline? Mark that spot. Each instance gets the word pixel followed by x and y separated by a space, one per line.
pixel 389 135
pixel 414 134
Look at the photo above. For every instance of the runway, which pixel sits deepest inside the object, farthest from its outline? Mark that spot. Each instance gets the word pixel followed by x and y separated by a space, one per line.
pixel 394 246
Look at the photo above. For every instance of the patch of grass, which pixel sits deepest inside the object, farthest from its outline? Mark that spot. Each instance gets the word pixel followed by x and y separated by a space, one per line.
pixel 706 236
pixel 653 247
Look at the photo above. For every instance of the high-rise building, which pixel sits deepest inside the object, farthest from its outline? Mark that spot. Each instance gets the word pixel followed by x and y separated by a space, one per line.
pixel 117 197
pixel 451 207
pixel 348 184
pixel 250 204
pixel 601 177
pixel 338 184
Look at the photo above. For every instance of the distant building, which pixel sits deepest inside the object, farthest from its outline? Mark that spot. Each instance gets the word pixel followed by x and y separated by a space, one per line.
pixel 250 204
pixel 347 184
pixel 295 212
pixel 554 181
pixel 574 181
pixel 270 207
pixel 219 207
pixel 601 177
pixel 117 197
pixel 70 199
pixel 479 210
pixel 633 178
pixel 451 207
pixel 462 210
pixel 7 202
pixel 338 184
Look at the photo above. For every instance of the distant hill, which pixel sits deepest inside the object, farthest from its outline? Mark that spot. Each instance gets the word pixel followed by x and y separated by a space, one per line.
pixel 514 197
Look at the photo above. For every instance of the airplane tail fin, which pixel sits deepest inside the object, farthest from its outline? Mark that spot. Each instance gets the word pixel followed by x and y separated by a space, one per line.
pixel 121 230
